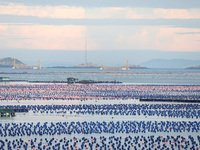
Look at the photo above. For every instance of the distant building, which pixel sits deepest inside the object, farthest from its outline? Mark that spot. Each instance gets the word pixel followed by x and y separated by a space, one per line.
pixel 72 80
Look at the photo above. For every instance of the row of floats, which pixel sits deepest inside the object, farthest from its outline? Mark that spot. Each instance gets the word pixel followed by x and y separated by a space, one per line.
pixel 99 92
pixel 159 110
pixel 105 143
pixel 96 127
pixel 104 106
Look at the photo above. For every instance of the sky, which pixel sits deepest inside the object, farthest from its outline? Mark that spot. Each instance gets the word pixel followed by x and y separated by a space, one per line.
pixel 58 32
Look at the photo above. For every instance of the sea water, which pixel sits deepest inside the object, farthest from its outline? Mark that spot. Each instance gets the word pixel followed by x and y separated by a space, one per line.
pixel 135 76
pixel 139 76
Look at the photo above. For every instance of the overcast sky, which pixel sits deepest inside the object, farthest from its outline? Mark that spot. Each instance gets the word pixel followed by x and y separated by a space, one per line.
pixel 156 28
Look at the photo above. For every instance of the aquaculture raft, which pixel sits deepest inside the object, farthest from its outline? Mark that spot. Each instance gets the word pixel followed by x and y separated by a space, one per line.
pixel 5 112
pixel 10 112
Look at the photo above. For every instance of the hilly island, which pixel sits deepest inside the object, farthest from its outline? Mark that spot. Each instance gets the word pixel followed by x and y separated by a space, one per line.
pixel 8 62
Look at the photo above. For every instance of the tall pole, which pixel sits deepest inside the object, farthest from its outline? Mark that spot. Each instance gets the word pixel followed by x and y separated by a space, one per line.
pixel 39 64
pixel 127 68
pixel 86 50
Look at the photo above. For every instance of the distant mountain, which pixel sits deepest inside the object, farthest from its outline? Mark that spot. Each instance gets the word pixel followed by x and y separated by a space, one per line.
pixel 9 62
pixel 170 63
pixel 88 65
pixel 194 67
pixel 137 67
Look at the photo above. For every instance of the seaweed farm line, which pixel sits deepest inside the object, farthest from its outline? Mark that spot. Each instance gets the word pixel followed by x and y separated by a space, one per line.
pixel 99 117
pixel 97 91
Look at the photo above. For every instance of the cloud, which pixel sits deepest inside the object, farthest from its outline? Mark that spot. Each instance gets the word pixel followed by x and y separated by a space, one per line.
pixel 160 13
pixel 43 11
pixel 29 20
pixel 114 13
pixel 177 13
pixel 171 41
pixel 162 38
pixel 72 12
pixel 43 37
pixel 70 37
pixel 168 4
pixel 188 33
pixel 64 27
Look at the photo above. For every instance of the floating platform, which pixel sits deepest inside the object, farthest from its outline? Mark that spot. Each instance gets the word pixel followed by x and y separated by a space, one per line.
pixel 6 112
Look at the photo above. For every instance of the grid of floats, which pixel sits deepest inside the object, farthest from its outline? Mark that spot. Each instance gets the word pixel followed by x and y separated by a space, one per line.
pixel 101 124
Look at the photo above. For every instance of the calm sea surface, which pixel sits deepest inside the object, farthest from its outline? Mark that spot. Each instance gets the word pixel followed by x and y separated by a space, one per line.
pixel 134 76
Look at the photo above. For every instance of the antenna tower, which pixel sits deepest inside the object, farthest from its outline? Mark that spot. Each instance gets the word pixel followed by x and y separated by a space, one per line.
pixel 86 50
